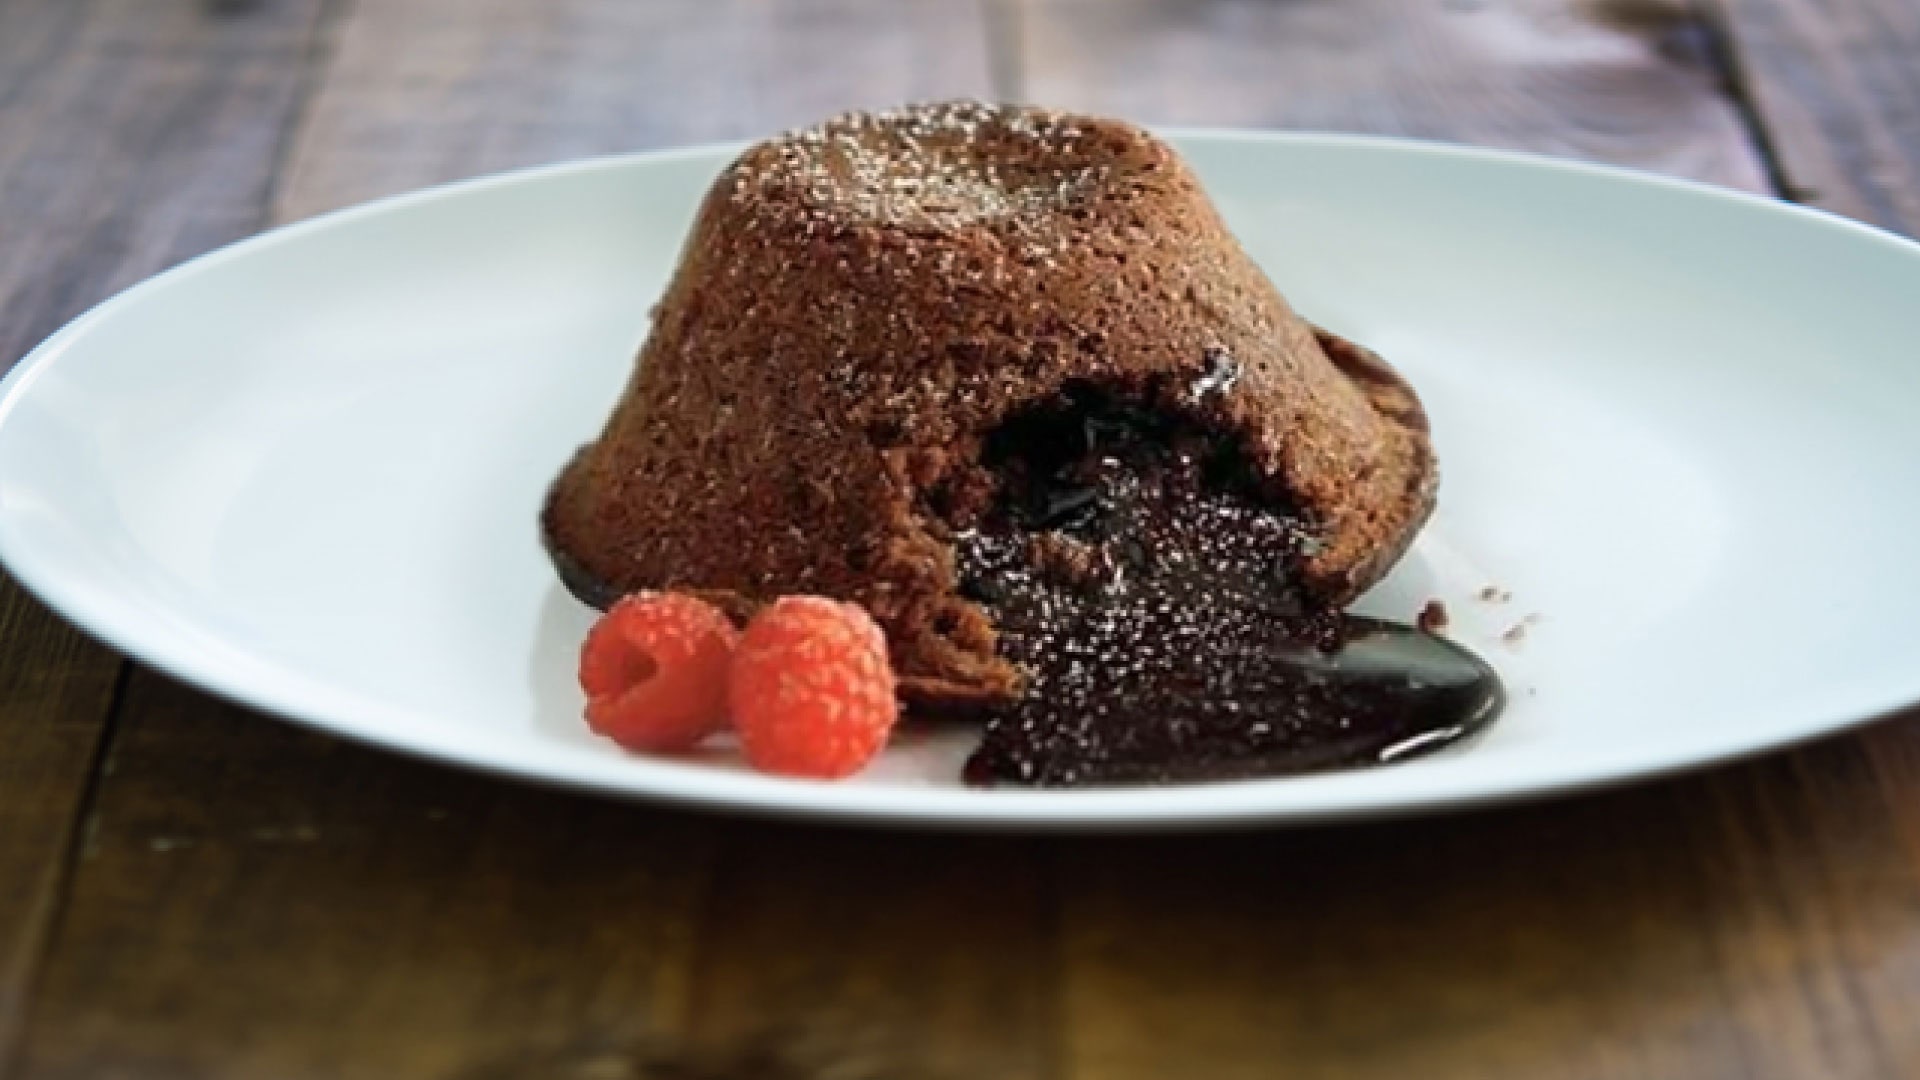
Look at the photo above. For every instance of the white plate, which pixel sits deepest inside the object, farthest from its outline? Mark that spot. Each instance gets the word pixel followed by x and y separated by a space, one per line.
pixel 1682 426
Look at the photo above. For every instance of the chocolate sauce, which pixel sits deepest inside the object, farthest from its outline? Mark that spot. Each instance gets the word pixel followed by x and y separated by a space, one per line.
pixel 1137 571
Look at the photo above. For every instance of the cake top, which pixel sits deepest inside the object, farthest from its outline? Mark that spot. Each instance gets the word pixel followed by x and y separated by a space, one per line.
pixel 942 167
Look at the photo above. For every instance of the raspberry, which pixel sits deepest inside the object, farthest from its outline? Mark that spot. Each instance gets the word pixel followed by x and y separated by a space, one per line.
pixel 655 671
pixel 811 690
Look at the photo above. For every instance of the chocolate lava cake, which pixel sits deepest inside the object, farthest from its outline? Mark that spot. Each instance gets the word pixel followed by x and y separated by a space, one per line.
pixel 966 364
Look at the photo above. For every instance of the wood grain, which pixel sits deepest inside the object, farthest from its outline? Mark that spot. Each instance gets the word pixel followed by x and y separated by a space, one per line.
pixel 255 900
pixel 424 91
pixel 55 689
pixel 261 902
pixel 1753 922
pixel 132 135
pixel 1837 87
pixel 882 955
pixel 137 134
pixel 1623 81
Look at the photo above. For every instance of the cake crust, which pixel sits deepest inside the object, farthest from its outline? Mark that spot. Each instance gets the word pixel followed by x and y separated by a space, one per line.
pixel 859 305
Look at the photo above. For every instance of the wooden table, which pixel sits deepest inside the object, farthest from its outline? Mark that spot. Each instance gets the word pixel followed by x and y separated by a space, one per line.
pixel 191 890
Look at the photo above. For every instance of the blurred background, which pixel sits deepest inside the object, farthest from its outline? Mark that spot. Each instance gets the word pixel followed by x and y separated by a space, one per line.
pixel 187 890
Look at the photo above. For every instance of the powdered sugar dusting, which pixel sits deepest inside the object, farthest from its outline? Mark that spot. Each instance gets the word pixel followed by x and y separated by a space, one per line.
pixel 1148 590
pixel 936 167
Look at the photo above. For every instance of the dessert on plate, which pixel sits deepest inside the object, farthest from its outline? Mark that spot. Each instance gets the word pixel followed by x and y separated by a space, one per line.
pixel 1002 377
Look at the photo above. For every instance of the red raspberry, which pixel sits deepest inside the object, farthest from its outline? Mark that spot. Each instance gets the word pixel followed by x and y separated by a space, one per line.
pixel 655 671
pixel 811 690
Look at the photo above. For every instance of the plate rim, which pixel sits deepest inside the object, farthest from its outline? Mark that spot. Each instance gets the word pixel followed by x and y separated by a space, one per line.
pixel 1256 803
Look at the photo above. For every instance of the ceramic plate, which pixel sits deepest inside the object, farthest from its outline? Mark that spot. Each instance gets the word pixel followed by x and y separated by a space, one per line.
pixel 1681 427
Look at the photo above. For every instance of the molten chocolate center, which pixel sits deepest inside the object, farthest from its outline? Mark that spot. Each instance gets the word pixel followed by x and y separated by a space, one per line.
pixel 1138 574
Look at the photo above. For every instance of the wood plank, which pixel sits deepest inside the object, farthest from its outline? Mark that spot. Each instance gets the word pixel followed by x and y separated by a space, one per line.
pixel 1755 921
pixel 55 690
pixel 434 90
pixel 1836 87
pixel 261 901
pixel 840 952
pixel 132 135
pixel 258 901
pixel 137 135
pixel 1628 82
